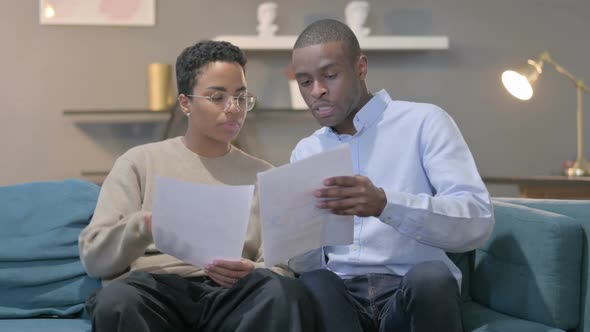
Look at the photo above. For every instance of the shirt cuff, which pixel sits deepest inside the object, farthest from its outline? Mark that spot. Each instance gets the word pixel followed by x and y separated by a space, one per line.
pixel 400 214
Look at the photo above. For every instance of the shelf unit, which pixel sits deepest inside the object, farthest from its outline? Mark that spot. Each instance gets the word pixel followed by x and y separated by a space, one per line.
pixel 137 116
pixel 370 43
pixel 117 116
pixel 251 43
pixel 548 187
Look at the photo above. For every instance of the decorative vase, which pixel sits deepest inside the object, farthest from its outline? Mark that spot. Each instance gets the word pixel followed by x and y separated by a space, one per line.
pixel 160 89
pixel 297 101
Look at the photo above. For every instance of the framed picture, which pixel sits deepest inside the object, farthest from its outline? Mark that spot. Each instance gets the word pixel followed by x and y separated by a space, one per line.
pixel 98 12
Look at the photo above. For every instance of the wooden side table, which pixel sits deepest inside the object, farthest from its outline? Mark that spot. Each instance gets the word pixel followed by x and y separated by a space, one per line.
pixel 555 187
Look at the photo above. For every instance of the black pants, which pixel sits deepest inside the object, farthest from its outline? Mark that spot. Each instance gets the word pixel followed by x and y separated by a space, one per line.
pixel 426 299
pixel 261 301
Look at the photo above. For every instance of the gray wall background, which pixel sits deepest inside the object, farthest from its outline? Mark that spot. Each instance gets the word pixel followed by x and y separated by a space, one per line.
pixel 47 69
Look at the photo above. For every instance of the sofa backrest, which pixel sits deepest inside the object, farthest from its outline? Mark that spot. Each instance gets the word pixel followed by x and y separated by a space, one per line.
pixel 579 210
pixel 40 270
pixel 530 267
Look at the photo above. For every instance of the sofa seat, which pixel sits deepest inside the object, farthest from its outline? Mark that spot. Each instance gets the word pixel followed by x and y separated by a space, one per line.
pixel 45 324
pixel 477 318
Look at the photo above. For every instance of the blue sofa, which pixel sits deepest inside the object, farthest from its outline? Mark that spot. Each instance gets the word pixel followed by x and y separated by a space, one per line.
pixel 532 275
pixel 42 282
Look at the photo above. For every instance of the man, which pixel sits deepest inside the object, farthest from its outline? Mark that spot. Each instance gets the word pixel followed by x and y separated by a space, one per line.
pixel 417 194
pixel 152 291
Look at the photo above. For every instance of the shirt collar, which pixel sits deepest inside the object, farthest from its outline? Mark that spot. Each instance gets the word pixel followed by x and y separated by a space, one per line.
pixel 369 113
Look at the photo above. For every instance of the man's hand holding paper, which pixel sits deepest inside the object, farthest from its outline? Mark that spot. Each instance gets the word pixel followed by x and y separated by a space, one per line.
pixel 352 195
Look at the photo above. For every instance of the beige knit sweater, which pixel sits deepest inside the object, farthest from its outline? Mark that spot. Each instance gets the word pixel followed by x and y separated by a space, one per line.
pixel 116 242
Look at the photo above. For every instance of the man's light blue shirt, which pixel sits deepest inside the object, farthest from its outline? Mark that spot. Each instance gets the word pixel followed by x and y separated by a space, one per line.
pixel 436 200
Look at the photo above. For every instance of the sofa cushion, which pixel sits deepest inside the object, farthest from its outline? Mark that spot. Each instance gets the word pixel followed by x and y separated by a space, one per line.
pixel 40 271
pixel 530 267
pixel 580 211
pixel 477 318
pixel 39 325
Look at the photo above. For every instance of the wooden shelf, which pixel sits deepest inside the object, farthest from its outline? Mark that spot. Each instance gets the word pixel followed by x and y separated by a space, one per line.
pixel 371 43
pixel 96 176
pixel 117 116
pixel 552 187
pixel 144 116
pixel 135 116
pixel 556 180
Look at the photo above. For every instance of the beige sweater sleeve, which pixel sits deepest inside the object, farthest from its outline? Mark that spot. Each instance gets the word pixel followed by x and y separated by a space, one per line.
pixel 116 235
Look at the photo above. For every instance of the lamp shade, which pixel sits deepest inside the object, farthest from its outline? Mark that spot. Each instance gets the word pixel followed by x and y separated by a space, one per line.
pixel 519 82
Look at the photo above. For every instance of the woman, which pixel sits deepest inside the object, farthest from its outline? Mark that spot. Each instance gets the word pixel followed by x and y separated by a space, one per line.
pixel 157 292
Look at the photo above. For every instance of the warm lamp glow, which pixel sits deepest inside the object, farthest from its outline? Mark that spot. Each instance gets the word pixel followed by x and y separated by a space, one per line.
pixel 517 85
pixel 49 11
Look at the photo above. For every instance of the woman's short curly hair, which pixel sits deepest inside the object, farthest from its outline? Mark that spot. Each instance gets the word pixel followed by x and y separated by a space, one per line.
pixel 193 58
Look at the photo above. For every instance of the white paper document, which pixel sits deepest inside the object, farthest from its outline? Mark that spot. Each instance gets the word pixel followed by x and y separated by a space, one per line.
pixel 291 222
pixel 198 223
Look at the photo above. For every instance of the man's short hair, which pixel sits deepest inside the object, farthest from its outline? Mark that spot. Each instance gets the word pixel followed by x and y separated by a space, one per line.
pixel 193 58
pixel 326 31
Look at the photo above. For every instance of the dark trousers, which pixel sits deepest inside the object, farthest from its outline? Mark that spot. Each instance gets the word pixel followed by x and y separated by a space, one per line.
pixel 261 301
pixel 426 299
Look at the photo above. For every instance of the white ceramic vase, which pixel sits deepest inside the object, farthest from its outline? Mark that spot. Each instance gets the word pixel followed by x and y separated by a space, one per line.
pixel 297 101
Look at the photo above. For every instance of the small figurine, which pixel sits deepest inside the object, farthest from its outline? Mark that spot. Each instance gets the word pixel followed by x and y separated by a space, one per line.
pixel 267 13
pixel 356 13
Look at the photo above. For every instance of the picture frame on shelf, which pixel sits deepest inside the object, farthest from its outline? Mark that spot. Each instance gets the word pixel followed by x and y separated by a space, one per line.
pixel 98 12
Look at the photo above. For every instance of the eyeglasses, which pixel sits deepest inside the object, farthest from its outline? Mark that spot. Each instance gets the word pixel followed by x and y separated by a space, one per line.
pixel 223 100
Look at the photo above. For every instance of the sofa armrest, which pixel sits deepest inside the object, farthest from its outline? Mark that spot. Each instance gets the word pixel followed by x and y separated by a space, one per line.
pixel 530 267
